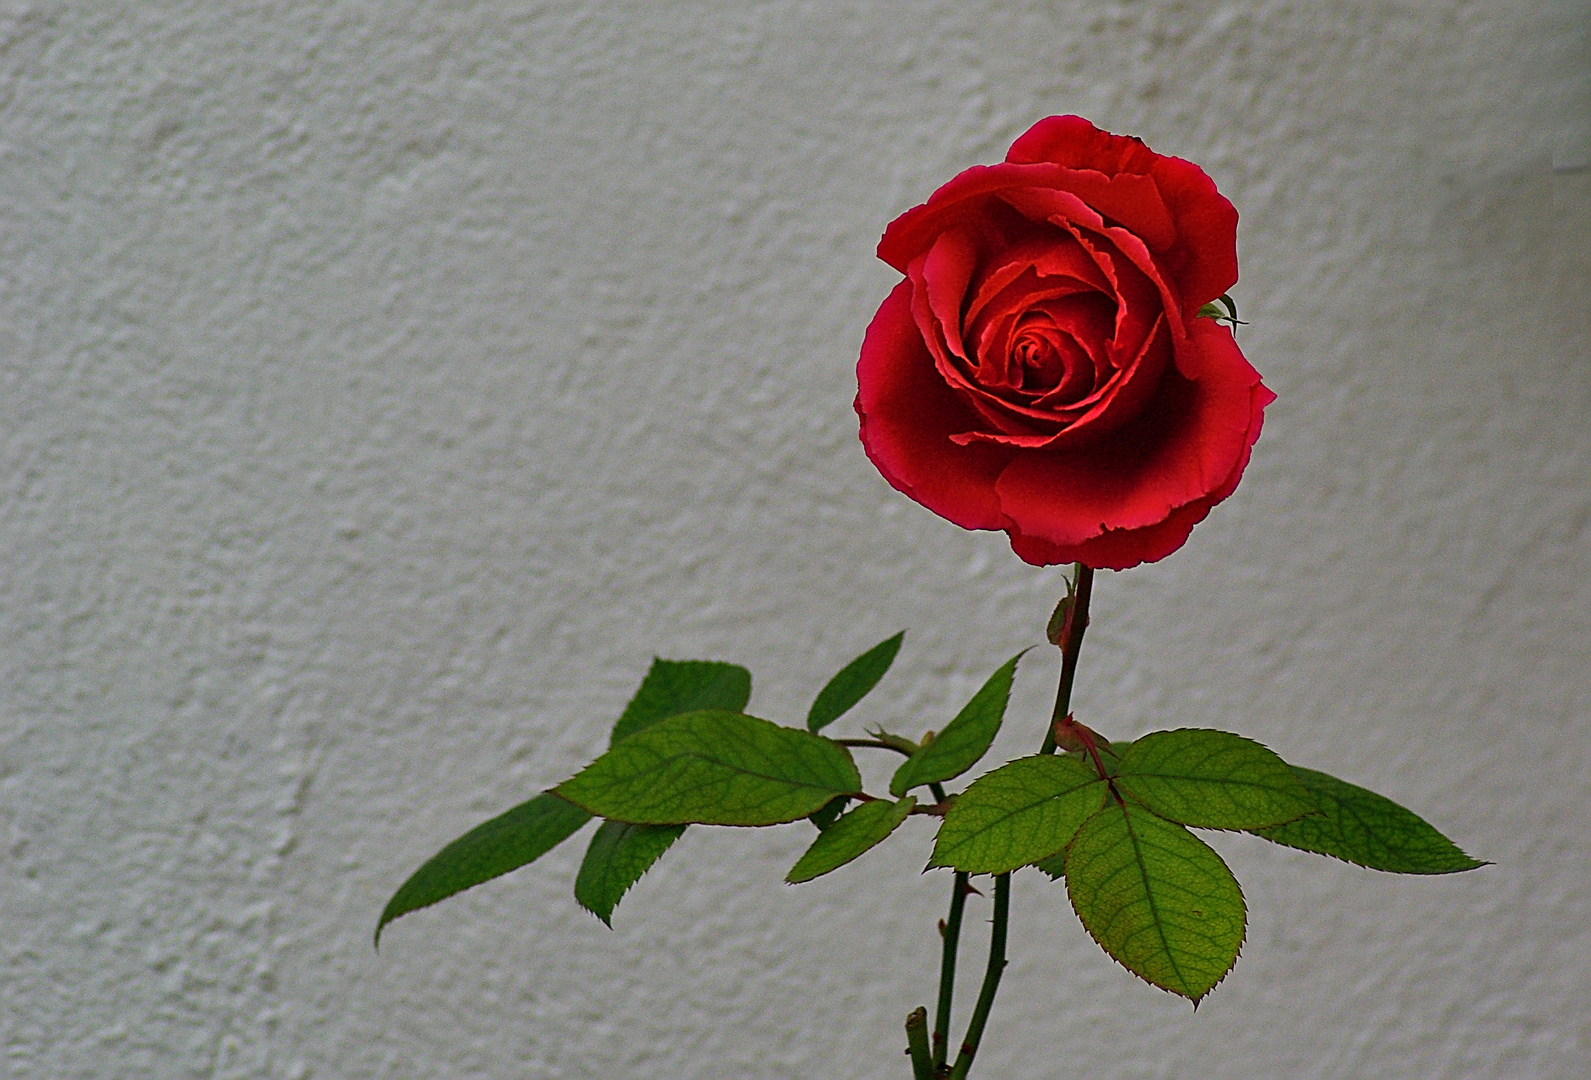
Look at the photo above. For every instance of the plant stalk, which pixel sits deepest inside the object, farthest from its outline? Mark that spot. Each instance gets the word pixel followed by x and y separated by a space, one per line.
pixel 947 971
pixel 991 978
pixel 1071 645
pixel 917 1044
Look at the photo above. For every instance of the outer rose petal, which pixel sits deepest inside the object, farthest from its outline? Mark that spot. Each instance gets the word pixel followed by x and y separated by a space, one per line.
pixel 1182 450
pixel 964 202
pixel 1073 141
pixel 1203 260
pixel 908 415
pixel 1120 549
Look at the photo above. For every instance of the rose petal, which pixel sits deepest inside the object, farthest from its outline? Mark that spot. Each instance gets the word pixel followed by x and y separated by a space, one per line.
pixel 1118 549
pixel 1055 260
pixel 1073 141
pixel 1203 258
pixel 1181 448
pixel 1122 400
pixel 963 202
pixel 1203 261
pixel 907 417
pixel 1143 299
pixel 1066 210
pixel 946 273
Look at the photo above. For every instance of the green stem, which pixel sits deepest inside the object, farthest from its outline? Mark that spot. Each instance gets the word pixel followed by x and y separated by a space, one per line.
pixel 917 1044
pixel 1070 647
pixel 947 969
pixel 875 744
pixel 991 978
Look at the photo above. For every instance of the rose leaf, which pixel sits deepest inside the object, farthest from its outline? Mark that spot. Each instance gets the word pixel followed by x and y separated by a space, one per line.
pixel 851 835
pixel 1359 826
pixel 617 857
pixel 716 768
pixel 1212 780
pixel 1156 898
pixel 965 739
pixel 852 683
pixel 673 687
pixel 1018 814
pixel 491 849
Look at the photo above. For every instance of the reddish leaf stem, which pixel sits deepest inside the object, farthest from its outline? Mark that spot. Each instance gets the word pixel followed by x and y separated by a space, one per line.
pixel 1071 644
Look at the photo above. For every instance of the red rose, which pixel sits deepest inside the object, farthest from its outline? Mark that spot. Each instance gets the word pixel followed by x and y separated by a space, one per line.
pixel 1042 369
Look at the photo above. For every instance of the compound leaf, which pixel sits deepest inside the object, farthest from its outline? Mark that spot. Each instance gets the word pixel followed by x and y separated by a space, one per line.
pixel 715 768
pixel 852 683
pixel 672 687
pixel 1018 814
pixel 1359 826
pixel 965 739
pixel 489 850
pixel 1156 898
pixel 617 857
pixel 851 834
pixel 1212 780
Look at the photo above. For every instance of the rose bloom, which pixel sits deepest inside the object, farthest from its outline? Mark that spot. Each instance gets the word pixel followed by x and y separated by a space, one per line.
pixel 1043 369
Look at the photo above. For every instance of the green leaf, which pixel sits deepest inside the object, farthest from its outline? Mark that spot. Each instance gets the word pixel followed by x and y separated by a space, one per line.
pixel 619 854
pixel 1359 826
pixel 1212 780
pixel 1224 310
pixel 1055 866
pixel 824 816
pixel 1156 898
pixel 489 850
pixel 854 833
pixel 714 768
pixel 965 739
pixel 1018 814
pixel 852 683
pixel 673 687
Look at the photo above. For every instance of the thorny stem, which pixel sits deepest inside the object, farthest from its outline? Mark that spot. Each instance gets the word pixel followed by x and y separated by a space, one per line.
pixel 1071 644
pixel 1076 624
pixel 991 978
pixel 947 970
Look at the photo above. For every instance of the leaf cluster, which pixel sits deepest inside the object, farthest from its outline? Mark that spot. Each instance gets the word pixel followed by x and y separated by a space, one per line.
pixel 1151 893
pixel 1114 823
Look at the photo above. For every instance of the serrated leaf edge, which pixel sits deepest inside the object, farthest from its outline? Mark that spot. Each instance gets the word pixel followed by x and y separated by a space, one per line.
pixel 902 810
pixel 1124 782
pixel 933 862
pixel 1242 899
pixel 1260 831
pixel 607 920
pixel 923 752
pixel 894 640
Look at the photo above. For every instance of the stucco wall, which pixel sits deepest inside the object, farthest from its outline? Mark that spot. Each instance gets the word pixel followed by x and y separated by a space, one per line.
pixel 384 384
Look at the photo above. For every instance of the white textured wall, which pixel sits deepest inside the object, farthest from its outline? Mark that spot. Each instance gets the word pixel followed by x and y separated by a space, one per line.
pixel 385 383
